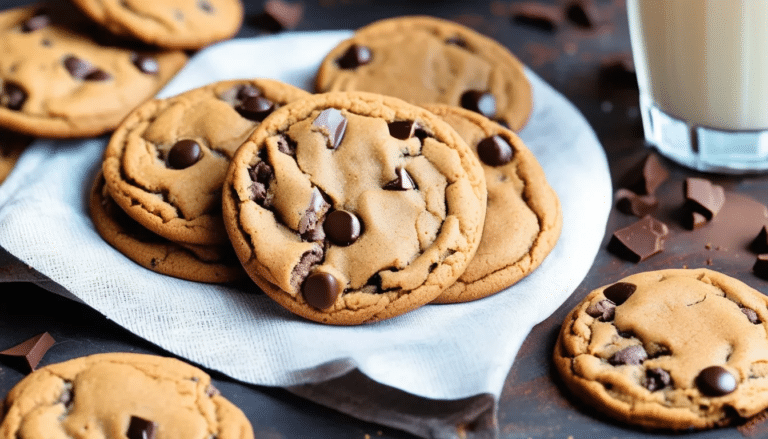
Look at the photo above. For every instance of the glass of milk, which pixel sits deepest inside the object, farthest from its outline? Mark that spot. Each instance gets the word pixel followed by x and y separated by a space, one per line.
pixel 702 69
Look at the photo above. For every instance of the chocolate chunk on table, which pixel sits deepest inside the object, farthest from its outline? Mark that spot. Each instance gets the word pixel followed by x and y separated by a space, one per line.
pixel 640 240
pixel 646 176
pixel 32 350
pixel 703 197
pixel 633 204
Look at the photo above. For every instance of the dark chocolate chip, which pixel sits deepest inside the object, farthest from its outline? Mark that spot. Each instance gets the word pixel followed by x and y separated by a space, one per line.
pixel 656 378
pixel 247 91
pixel 619 292
pixel 630 203
pixel 355 57
pixel 495 151
pixel 145 63
pixel 98 75
pixel 342 227
pixel 632 355
pixel 640 240
pixel 457 41
pixel 716 381
pixel 12 96
pixel 603 310
pixel 402 182
pixel 402 129
pixel 184 154
pixel 139 428
pixel 205 6
pixel 703 197
pixel 646 176
pixel 479 102
pixel 32 350
pixel 760 243
pixel 751 315
pixel 255 108
pixel 320 290
pixel 38 21
pixel 333 124
pixel 314 212
pixel 761 266
pixel 81 69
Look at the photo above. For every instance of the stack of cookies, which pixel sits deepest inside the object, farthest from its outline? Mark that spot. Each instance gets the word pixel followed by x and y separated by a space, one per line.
pixel 350 205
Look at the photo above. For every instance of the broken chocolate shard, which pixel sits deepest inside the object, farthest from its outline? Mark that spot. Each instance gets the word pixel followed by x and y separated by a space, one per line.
pixel 703 197
pixel 286 145
pixel 632 355
pixel 402 129
pixel 140 428
pixel 536 15
pixel 603 310
pixel 646 176
pixel 32 350
pixel 656 378
pixel 402 182
pixel 640 240
pixel 354 57
pixel 630 203
pixel 333 124
pixel 760 243
pixel 694 220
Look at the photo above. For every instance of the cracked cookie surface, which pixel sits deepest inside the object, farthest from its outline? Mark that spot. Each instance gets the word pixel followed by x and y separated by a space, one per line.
pixel 119 395
pixel 166 162
pixel 523 219
pixel 61 77
pixel 673 349
pixel 354 207
pixel 426 60
pixel 177 24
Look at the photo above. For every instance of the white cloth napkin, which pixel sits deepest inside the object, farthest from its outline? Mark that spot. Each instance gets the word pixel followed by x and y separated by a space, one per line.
pixel 439 352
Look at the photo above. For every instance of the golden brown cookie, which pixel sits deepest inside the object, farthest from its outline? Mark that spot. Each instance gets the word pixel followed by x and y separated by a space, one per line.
pixel 523 219
pixel 354 207
pixel 672 349
pixel 177 24
pixel 425 60
pixel 59 77
pixel 11 146
pixel 165 164
pixel 211 264
pixel 121 395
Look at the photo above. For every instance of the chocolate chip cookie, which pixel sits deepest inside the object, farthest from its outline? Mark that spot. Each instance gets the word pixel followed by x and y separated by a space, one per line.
pixel 121 395
pixel 177 24
pixel 212 264
pixel 523 219
pixel 166 163
pixel 60 77
pixel 673 349
pixel 427 60
pixel 354 207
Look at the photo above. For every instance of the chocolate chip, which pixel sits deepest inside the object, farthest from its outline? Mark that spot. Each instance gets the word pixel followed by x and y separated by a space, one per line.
pixel 145 63
pixel 632 355
pixel 286 145
pixel 320 290
pixel 81 69
pixel 32 350
pixel 630 203
pixel 703 197
pixel 402 129
pixel 301 270
pixel 760 243
pixel 261 174
pixel 402 182
pixel 355 57
pixel 38 21
pixel 12 96
pixel 255 108
pixel 184 154
pixel 457 41
pixel 640 240
pixel 314 212
pixel 603 310
pixel 536 15
pixel 761 266
pixel 619 292
pixel 656 378
pixel 205 6
pixel 333 124
pixel 139 428
pixel 716 381
pixel 479 102
pixel 342 227
pixel 97 75
pixel 751 315
pixel 495 151
pixel 247 91
pixel 646 176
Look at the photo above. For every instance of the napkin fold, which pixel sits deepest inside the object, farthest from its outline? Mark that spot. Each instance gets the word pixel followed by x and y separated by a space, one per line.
pixel 425 372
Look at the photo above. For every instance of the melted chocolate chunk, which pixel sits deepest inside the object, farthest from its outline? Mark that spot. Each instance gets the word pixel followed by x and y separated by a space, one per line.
pixel 632 355
pixel 261 174
pixel 145 63
pixel 751 315
pixel 355 57
pixel 716 381
pixel 342 227
pixel 761 266
pixel 402 182
pixel 333 124
pixel 760 243
pixel 320 290
pixel 286 145
pixel 619 292
pixel 704 197
pixel 495 151
pixel 139 428
pixel 402 129
pixel 630 203
pixel 479 102
pixel 247 91
pixel 314 213
pixel 205 6
pixel 603 310
pixel 640 240
pixel 12 96
pixel 98 75
pixel 656 378
pixel 184 154
pixel 38 21
pixel 31 351
pixel 81 69
pixel 255 108
pixel 457 41
pixel 302 269
pixel 646 176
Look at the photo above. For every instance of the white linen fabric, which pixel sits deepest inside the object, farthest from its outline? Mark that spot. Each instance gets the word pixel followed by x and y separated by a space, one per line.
pixel 438 352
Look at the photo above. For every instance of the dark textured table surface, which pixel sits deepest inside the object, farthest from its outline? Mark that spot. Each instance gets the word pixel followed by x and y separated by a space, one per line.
pixel 573 59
